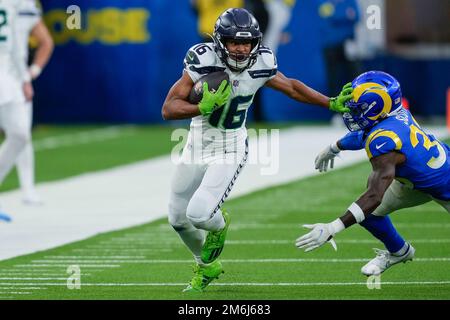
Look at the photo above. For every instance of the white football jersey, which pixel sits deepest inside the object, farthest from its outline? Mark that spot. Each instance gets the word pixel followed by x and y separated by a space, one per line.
pixel 29 15
pixel 9 49
pixel 200 60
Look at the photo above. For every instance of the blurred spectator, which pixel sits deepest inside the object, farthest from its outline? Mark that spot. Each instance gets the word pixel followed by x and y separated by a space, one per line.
pixel 339 18
pixel 259 10
pixel 280 12
pixel 208 11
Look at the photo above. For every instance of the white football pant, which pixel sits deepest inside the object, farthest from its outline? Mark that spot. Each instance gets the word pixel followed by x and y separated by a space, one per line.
pixel 15 122
pixel 198 189
pixel 399 196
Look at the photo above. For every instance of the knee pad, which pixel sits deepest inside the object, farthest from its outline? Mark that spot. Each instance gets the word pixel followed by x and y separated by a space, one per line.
pixel 19 137
pixel 200 209
pixel 177 219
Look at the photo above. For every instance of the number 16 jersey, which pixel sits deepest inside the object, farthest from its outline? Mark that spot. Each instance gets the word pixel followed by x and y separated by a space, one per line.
pixel 227 124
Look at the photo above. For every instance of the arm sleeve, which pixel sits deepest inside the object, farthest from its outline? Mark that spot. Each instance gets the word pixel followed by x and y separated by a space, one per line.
pixel 352 141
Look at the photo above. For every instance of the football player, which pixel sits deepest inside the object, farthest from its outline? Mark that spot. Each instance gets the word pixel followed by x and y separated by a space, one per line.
pixel 409 167
pixel 216 149
pixel 29 22
pixel 15 88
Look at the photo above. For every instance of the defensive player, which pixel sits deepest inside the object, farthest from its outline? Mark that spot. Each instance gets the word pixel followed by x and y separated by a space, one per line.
pixel 15 88
pixel 216 150
pixel 410 167
pixel 29 22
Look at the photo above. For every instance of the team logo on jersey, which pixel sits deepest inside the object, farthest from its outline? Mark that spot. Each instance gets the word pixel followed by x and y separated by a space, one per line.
pixel 235 83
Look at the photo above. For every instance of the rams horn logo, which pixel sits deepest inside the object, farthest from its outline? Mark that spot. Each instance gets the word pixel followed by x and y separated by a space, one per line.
pixel 372 87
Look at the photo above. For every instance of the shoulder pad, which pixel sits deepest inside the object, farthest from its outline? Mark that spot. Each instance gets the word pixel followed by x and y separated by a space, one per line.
pixel 266 65
pixel 381 142
pixel 29 7
pixel 200 60
pixel 267 57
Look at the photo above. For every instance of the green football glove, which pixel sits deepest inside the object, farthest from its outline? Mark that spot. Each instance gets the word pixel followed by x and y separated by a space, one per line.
pixel 213 100
pixel 337 104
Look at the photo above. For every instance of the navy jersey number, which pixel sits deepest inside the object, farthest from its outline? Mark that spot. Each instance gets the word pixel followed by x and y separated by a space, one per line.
pixel 3 22
pixel 234 116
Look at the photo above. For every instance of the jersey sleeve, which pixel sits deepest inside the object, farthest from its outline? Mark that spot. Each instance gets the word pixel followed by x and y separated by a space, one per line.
pixel 382 142
pixel 201 60
pixel 352 141
pixel 30 8
pixel 268 66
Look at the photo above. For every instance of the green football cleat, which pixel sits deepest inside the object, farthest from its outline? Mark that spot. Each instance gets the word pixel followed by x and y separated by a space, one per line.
pixel 214 242
pixel 203 276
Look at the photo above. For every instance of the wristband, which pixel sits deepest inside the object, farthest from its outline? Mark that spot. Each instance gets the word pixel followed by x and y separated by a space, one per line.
pixel 334 148
pixel 357 212
pixel 35 71
pixel 337 226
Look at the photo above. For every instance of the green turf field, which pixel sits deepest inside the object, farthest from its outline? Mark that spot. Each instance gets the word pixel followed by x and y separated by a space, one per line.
pixel 66 151
pixel 260 259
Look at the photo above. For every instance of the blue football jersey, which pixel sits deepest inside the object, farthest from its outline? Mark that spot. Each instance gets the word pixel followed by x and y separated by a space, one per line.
pixel 427 165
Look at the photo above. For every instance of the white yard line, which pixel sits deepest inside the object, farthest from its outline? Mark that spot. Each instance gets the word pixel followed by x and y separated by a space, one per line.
pixel 111 263
pixel 125 196
pixel 261 284
pixel 82 137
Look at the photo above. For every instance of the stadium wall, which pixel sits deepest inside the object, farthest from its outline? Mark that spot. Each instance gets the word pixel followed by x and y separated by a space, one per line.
pixel 120 65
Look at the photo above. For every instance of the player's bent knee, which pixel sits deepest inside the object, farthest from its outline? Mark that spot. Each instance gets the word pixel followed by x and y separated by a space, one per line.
pixel 178 222
pixel 198 212
pixel 19 138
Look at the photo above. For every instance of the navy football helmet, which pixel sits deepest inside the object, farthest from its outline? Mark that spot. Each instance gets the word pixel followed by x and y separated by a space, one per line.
pixel 376 96
pixel 237 24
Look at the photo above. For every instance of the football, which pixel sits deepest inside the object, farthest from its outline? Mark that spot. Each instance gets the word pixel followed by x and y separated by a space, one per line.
pixel 214 79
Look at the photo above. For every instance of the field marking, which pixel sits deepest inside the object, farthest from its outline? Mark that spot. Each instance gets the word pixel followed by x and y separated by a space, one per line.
pixel 262 284
pixel 93 263
pixel 28 288
pixel 65 265
pixel 298 225
pixel 78 257
pixel 83 137
pixel 111 247
pixel 10 274
pixel 352 241
pixel 31 278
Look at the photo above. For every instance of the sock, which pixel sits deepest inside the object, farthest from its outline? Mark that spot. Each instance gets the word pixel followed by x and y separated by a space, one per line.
pixel 216 223
pixel 9 151
pixel 193 238
pixel 402 251
pixel 383 229
pixel 25 169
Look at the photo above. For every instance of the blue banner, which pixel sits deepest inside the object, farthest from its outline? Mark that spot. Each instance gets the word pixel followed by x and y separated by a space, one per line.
pixel 119 66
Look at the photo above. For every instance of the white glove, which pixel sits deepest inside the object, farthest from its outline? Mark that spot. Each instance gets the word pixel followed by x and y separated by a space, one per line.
pixel 320 234
pixel 326 157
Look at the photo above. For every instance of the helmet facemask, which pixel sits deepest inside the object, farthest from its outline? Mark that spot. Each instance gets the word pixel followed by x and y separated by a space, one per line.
pixel 237 61
pixel 239 26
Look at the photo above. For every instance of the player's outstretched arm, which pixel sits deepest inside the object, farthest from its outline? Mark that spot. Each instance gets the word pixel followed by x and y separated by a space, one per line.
pixel 176 105
pixel 297 90
pixel 383 173
pixel 351 141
